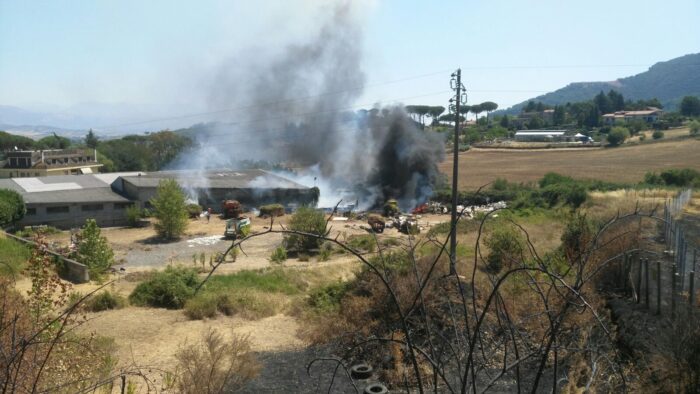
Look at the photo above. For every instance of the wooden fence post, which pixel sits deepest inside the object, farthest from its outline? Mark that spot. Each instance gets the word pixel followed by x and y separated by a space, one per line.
pixel 646 282
pixel 691 297
pixel 673 291
pixel 639 280
pixel 624 274
pixel 658 287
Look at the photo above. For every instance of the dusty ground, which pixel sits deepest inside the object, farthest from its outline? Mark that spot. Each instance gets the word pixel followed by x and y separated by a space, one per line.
pixel 138 249
pixel 623 164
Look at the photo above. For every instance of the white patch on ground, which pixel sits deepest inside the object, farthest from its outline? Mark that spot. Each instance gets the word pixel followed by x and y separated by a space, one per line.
pixel 205 241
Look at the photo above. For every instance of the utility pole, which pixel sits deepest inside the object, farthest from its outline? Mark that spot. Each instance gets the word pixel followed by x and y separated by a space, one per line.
pixel 456 85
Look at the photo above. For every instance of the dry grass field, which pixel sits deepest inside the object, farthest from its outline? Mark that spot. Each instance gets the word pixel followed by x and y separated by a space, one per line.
pixel 623 164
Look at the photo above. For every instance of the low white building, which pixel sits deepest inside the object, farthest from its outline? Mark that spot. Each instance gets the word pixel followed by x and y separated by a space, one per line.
pixel 541 136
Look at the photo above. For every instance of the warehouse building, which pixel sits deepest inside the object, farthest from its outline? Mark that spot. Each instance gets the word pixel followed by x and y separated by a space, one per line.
pixel 66 201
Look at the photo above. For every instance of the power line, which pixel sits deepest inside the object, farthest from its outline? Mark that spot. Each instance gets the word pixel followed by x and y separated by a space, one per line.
pixel 234 109
pixel 356 88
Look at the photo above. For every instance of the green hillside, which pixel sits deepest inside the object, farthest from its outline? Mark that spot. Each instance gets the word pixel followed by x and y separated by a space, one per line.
pixel 668 81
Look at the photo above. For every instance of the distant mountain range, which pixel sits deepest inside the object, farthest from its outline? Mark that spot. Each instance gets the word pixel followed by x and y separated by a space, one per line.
pixel 667 81
pixel 73 122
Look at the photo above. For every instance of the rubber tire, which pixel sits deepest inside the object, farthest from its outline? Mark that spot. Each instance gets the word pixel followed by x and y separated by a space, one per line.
pixel 361 371
pixel 376 388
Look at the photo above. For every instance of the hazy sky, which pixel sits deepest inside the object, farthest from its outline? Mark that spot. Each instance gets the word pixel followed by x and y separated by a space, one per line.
pixel 159 55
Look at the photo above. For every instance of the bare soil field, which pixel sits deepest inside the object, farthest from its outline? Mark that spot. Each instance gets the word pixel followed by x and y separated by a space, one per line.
pixel 623 164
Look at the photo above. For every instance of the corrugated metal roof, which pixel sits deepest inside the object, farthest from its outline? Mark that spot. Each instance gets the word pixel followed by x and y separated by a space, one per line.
pixel 242 179
pixel 94 195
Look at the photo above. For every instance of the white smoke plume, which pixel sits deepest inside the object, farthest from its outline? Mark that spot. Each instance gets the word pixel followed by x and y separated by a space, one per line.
pixel 297 109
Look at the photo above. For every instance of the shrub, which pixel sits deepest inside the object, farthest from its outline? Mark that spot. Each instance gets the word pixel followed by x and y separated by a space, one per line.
pixel 642 137
pixel 306 220
pixel 134 215
pixel 169 209
pixel 271 210
pixel 202 306
pixel 167 289
pixel 12 207
pixel 657 135
pixel 215 365
pixel 364 242
pixel 327 298
pixel 694 127
pixel 617 136
pixel 193 210
pixel 506 245
pixel 93 249
pixel 13 256
pixel 104 301
pixel 279 255
pixel 577 236
pixel 326 251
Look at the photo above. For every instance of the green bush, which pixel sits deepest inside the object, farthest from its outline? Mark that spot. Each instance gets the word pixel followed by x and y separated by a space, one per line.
pixel 203 306
pixel 93 250
pixel 12 207
pixel 505 244
pixel 13 256
pixel 657 135
pixel 167 289
pixel 30 232
pixel 306 220
pixel 326 251
pixel 680 177
pixel 279 255
pixel 327 298
pixel 134 215
pixel 694 127
pixel 169 209
pixel 271 210
pixel 362 243
pixel 254 294
pixel 617 136
pixel 193 210
pixel 104 301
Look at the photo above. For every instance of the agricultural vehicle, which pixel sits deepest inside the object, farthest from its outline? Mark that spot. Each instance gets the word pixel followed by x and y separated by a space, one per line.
pixel 237 228
pixel 231 209
pixel 376 223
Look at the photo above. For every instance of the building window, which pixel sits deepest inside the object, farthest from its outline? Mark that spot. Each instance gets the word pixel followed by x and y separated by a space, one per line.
pixel 59 209
pixel 92 207
pixel 122 205
pixel 31 211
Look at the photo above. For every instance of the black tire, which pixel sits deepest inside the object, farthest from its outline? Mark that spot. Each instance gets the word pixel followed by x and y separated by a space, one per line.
pixel 361 371
pixel 376 388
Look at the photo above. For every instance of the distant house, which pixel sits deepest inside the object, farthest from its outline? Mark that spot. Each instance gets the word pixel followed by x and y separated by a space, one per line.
pixel 24 164
pixel 542 136
pixel 547 116
pixel 649 115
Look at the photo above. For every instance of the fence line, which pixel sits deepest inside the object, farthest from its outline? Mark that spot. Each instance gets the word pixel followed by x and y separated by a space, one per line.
pixel 643 272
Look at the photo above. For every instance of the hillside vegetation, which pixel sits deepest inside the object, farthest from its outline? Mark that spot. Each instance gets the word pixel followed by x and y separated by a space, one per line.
pixel 667 81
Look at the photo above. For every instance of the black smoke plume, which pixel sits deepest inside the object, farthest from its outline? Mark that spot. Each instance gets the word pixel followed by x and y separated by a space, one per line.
pixel 298 111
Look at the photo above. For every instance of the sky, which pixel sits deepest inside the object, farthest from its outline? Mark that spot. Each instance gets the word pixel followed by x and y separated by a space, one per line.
pixel 155 59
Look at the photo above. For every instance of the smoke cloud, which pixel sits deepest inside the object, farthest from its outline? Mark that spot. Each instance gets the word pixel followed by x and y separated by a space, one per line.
pixel 296 108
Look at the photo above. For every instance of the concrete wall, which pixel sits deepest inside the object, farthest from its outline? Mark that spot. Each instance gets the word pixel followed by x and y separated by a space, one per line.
pixel 111 215
pixel 71 270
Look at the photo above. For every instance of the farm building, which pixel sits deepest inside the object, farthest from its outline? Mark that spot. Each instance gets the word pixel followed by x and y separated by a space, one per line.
pixel 649 115
pixel 208 189
pixel 66 201
pixel 21 163
pixel 542 136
